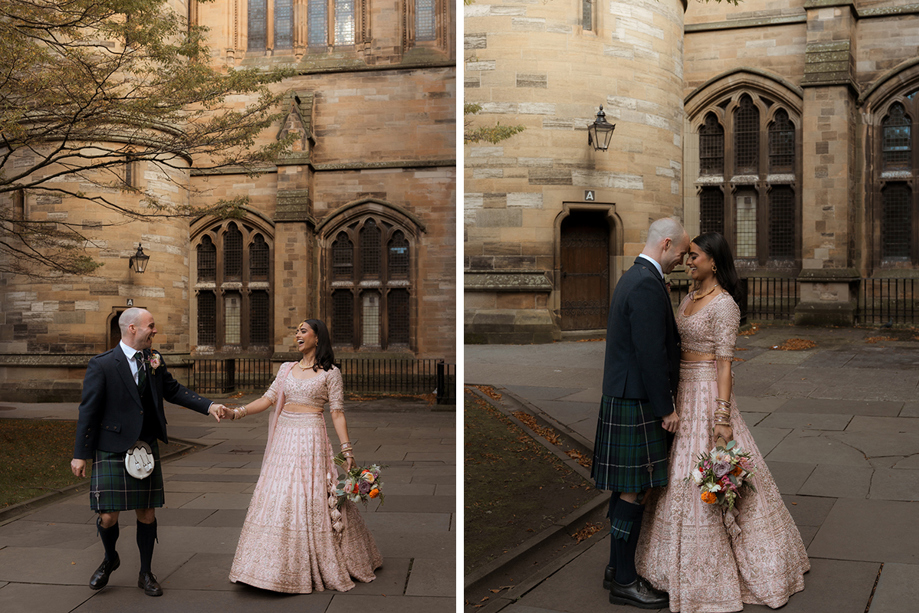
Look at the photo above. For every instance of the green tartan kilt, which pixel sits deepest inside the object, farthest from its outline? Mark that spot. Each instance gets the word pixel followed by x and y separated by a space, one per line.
pixel 630 439
pixel 113 489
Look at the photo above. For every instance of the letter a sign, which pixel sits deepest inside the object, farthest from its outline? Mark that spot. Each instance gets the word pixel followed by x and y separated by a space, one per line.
pixel 589 195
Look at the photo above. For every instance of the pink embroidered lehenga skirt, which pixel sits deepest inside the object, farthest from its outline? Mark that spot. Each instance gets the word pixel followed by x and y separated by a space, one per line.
pixel 288 543
pixel 685 548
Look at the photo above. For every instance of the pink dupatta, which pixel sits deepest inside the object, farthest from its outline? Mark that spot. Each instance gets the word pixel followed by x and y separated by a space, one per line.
pixel 278 405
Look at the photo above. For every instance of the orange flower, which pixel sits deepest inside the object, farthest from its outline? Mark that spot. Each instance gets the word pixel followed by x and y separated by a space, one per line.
pixel 737 470
pixel 374 493
pixel 709 498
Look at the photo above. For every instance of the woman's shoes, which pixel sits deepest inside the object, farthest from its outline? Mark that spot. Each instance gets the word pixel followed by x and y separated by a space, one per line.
pixel 639 594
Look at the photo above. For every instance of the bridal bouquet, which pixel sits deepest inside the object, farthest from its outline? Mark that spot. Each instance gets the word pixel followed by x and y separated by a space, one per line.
pixel 722 474
pixel 359 484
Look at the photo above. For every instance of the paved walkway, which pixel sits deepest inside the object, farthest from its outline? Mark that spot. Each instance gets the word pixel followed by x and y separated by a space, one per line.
pixel 47 556
pixel 837 425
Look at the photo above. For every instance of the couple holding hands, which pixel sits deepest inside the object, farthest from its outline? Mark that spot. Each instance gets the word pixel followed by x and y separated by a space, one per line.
pixel 289 542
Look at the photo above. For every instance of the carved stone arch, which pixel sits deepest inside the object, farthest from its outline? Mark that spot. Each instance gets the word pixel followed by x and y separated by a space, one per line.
pixel 769 119
pixel 347 213
pixel 253 217
pixel 738 81
pixel 876 100
pixel 698 121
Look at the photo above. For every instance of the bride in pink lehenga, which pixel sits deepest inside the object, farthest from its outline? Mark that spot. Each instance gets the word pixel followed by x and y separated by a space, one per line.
pixel 294 540
pixel 685 547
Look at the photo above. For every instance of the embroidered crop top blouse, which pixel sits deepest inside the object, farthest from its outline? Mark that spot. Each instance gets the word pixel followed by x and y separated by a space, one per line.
pixel 712 330
pixel 316 391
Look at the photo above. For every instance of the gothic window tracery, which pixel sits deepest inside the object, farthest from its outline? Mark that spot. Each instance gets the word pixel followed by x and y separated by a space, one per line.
pixel 371 283
pixel 896 208
pixel 232 281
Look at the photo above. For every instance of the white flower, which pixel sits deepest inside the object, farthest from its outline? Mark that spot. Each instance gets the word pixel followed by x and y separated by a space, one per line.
pixel 715 489
pixel 697 475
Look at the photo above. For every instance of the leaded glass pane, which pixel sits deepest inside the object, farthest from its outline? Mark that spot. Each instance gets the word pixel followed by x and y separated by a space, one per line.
pixel 207 260
pixel 782 222
pixel 233 253
pixel 746 225
pixel 370 318
pixel 258 318
pixel 896 222
pixel 370 249
pixel 781 144
pixel 711 205
pixel 342 318
pixel 424 20
pixel 398 256
pixel 896 139
pixel 344 22
pixel 343 258
pixel 232 303
pixel 318 22
pixel 398 317
pixel 711 147
pixel 207 319
pixel 258 259
pixel 587 15
pixel 283 24
pixel 258 25
pixel 746 137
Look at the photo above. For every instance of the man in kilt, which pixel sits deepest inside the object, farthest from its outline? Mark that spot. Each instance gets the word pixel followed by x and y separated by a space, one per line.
pixel 122 404
pixel 640 377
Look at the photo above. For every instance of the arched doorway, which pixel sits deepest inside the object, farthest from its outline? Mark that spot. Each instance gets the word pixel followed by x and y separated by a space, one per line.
pixel 585 270
pixel 114 331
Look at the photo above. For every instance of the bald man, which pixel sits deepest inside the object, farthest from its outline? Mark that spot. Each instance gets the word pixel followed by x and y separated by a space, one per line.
pixel 122 409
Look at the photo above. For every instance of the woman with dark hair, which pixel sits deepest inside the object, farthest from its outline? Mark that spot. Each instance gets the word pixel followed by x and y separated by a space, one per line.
pixel 295 539
pixel 706 560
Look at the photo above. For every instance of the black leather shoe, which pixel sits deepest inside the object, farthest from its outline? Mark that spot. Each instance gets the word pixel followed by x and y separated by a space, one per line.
pixel 147 581
pixel 100 578
pixel 608 575
pixel 639 594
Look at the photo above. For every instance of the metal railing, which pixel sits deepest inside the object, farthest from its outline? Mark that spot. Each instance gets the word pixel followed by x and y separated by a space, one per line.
pixel 230 375
pixel 767 298
pixel 360 375
pixel 888 301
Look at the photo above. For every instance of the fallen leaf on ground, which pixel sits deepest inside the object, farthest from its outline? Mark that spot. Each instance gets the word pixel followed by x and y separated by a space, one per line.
pixel 795 344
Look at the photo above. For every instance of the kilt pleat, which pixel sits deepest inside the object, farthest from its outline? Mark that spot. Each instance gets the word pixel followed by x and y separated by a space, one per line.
pixel 630 439
pixel 113 489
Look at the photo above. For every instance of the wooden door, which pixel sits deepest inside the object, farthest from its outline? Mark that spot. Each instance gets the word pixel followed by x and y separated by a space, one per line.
pixel 584 271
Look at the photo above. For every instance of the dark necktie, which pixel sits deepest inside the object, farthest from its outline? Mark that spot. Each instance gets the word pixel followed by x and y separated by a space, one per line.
pixel 141 371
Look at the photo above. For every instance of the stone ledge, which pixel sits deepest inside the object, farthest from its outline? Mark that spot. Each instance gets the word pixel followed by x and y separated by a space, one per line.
pixel 828 275
pixel 826 313
pixel 507 281
pixel 509 327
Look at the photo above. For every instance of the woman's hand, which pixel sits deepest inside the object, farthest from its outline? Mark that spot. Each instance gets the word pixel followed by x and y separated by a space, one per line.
pixel 725 432
pixel 349 464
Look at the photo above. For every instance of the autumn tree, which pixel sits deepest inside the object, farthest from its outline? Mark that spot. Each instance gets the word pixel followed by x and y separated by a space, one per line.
pixel 88 87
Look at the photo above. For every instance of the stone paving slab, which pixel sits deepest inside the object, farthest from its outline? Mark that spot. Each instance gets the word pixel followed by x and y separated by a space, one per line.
pixel 346 603
pixel 534 393
pixel 899 584
pixel 757 404
pixel 219 501
pixel 240 599
pixel 884 425
pixel 431 577
pixel 36 598
pixel 910 409
pixel 768 438
pixel 790 476
pixel 406 544
pixel 869 530
pixel 47 534
pixel 840 406
pixel 831 586
pixel 808 510
pixel 830 480
pixel 810 447
pixel 779 357
pixel 810 421
pixel 895 484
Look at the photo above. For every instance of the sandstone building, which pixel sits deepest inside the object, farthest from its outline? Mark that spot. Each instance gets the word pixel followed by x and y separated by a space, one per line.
pixel 787 126
pixel 356 226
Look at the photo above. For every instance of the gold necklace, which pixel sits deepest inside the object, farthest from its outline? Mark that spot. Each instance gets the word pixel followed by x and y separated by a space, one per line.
pixel 302 367
pixel 696 298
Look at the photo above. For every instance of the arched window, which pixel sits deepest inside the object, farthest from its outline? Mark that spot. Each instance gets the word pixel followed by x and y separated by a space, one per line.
pixel 233 304
pixel 781 144
pixel 371 307
pixel 746 194
pixel 711 147
pixel 894 195
pixel 425 23
pixel 746 137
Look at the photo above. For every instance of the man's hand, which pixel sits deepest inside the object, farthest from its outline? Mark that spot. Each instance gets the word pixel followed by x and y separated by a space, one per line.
pixel 78 467
pixel 671 422
pixel 217 411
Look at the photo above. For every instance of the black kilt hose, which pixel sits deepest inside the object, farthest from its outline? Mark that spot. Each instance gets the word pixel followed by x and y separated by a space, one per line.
pixel 630 439
pixel 113 489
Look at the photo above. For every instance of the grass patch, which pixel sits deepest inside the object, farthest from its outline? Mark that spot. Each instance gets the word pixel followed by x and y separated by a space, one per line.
pixel 35 458
pixel 513 486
